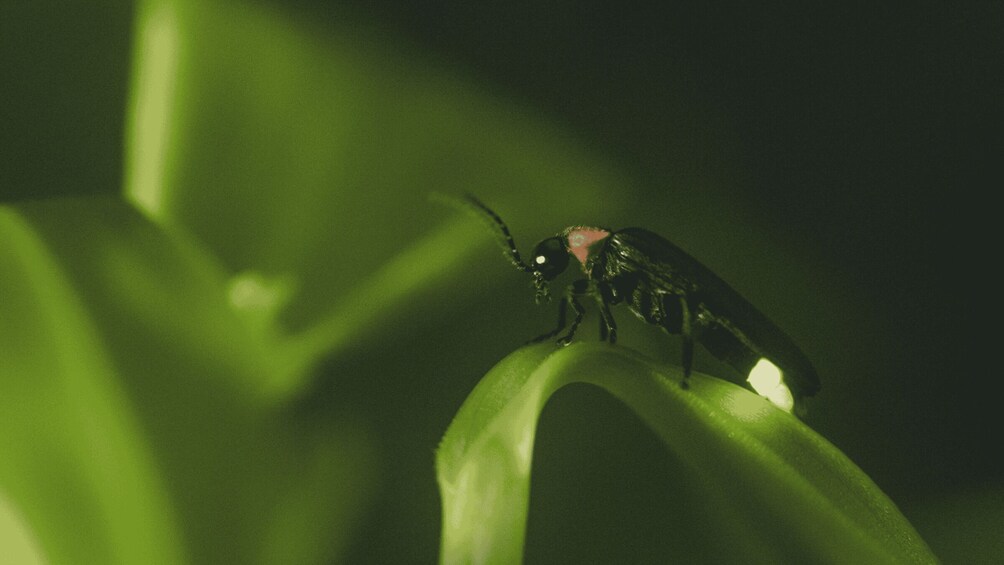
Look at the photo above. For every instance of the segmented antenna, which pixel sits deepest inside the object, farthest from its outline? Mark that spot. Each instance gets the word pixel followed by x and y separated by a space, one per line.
pixel 474 206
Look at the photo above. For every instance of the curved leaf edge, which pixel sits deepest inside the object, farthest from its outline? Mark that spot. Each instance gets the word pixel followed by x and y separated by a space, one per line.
pixel 798 494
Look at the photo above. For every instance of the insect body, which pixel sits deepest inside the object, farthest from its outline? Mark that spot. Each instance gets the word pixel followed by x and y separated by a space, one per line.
pixel 664 286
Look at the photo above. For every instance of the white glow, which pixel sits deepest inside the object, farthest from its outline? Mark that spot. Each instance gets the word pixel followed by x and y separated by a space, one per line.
pixel 745 406
pixel 764 377
pixel 782 398
pixel 151 112
pixel 540 259
pixel 766 380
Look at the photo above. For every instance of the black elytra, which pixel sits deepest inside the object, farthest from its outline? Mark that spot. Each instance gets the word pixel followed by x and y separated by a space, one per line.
pixel 662 285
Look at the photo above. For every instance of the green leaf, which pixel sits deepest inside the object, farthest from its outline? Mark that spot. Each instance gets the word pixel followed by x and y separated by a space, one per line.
pixel 307 153
pixel 799 499
pixel 138 420
pixel 74 460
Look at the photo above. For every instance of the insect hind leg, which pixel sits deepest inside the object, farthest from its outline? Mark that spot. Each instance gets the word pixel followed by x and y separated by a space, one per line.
pixel 675 314
pixel 608 327
pixel 686 331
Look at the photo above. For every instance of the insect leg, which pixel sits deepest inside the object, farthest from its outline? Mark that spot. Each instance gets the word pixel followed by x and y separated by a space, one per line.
pixel 608 327
pixel 579 313
pixel 578 288
pixel 686 331
pixel 562 308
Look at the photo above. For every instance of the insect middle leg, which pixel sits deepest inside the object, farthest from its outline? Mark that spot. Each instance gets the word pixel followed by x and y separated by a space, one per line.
pixel 608 327
pixel 579 313
pixel 574 290
pixel 581 287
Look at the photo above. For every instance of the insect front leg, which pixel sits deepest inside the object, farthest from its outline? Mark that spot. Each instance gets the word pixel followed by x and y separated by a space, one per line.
pixel 578 288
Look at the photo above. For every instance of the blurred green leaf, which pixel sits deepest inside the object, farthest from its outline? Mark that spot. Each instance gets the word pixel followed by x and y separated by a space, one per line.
pixel 279 172
pixel 307 154
pixel 18 541
pixel 139 427
pixel 274 173
pixel 786 494
pixel 75 461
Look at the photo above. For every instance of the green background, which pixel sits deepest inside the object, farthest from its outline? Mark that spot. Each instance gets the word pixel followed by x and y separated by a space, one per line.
pixel 831 164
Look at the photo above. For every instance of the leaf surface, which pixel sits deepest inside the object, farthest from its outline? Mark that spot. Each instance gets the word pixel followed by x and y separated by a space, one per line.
pixel 786 494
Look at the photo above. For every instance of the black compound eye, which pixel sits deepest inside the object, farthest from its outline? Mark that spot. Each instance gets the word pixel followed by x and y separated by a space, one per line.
pixel 550 257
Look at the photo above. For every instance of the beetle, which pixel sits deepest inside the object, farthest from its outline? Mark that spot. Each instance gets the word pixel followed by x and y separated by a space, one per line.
pixel 664 286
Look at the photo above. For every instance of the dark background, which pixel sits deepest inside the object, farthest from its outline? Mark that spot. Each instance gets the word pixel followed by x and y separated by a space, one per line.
pixel 859 139
pixel 861 136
